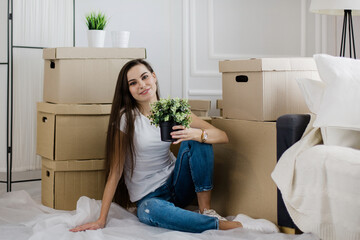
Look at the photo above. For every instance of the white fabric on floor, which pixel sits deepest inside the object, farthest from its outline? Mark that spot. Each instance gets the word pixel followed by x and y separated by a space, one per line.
pixel 22 218
pixel 320 186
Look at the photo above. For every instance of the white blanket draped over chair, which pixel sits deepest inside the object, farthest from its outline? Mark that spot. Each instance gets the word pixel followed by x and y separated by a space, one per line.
pixel 320 186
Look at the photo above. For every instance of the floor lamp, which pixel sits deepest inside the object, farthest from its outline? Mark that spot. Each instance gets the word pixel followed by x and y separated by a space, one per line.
pixel 340 7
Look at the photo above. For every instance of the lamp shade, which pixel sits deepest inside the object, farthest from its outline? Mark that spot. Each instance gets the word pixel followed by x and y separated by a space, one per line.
pixel 335 7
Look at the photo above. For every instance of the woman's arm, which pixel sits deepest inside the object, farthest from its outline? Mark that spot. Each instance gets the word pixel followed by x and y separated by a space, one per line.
pixel 214 135
pixel 110 188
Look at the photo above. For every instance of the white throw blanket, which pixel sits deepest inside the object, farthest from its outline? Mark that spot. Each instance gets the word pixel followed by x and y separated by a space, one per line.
pixel 320 187
pixel 22 218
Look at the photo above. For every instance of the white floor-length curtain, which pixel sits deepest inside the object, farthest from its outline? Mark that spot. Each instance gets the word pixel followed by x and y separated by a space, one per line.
pixel 43 23
pixel 37 23
pixel 28 89
pixel 3 83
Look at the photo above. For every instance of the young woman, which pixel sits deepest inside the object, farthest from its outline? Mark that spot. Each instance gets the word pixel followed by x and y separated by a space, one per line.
pixel 159 184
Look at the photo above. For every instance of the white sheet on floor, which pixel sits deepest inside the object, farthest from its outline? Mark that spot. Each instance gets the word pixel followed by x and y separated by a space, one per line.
pixel 22 218
pixel 320 187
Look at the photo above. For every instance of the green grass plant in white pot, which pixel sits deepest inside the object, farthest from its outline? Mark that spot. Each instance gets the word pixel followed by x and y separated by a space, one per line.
pixel 169 112
pixel 96 23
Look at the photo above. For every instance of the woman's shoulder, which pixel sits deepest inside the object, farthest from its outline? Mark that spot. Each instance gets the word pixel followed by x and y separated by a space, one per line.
pixel 124 113
pixel 124 117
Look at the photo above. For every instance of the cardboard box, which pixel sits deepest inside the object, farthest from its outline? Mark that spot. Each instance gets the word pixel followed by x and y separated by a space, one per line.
pixel 219 105
pixel 72 131
pixel 264 89
pixel 64 182
pixel 242 181
pixel 84 75
pixel 200 108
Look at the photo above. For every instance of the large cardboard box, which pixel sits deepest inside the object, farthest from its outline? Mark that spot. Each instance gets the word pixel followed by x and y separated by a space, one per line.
pixel 84 75
pixel 200 108
pixel 264 89
pixel 242 181
pixel 64 182
pixel 72 131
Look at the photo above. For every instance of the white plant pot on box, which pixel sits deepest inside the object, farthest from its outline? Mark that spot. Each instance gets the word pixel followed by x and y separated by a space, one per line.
pixel 120 39
pixel 96 38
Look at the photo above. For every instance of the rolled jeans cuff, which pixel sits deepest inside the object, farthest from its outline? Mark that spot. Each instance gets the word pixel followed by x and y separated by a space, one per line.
pixel 203 189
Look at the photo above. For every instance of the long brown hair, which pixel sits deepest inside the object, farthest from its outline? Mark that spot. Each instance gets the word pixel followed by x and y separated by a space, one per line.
pixel 123 103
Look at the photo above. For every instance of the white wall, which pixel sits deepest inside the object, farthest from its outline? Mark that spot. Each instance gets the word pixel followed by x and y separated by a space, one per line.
pixel 185 40
pixel 153 25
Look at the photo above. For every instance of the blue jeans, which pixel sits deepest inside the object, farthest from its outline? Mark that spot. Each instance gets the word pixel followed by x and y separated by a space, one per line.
pixel 192 173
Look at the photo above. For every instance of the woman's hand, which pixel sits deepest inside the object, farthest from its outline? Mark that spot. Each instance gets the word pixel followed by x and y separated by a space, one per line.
pixel 89 226
pixel 184 134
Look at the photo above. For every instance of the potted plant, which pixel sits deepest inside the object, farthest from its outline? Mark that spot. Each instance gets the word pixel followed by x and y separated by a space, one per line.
pixel 169 112
pixel 96 22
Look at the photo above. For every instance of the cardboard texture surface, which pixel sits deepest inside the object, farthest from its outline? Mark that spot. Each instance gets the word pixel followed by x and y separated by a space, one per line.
pixel 264 89
pixel 242 181
pixel 268 65
pixel 219 105
pixel 86 52
pixel 72 131
pixel 63 183
pixel 200 113
pixel 200 107
pixel 84 75
pixel 74 109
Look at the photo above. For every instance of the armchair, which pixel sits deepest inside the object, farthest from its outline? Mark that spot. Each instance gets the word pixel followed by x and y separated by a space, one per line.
pixel 289 129
pixel 318 182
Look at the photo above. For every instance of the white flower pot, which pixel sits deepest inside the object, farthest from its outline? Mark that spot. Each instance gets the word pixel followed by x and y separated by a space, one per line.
pixel 120 39
pixel 96 38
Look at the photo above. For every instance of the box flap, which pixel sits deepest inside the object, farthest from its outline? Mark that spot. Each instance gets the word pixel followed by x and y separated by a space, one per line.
pixel 74 109
pixel 268 64
pixel 200 104
pixel 49 53
pixel 251 65
pixel 84 52
pixel 45 134
pixel 219 104
pixel 74 165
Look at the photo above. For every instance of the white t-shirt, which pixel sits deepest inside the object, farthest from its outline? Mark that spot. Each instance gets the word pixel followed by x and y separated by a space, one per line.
pixel 154 161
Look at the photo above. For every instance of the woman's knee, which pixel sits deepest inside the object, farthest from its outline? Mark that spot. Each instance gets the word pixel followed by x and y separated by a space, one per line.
pixel 144 211
pixel 150 210
pixel 191 145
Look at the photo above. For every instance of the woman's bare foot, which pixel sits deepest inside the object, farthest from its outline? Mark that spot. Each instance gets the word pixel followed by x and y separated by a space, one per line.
pixel 226 225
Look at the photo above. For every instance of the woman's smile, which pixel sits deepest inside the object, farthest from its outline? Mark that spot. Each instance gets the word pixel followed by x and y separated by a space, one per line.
pixel 145 91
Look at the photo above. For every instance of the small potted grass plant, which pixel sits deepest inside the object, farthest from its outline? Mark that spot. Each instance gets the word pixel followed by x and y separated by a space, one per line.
pixel 96 23
pixel 168 112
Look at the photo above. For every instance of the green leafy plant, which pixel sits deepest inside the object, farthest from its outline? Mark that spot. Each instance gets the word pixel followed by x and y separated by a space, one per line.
pixel 170 110
pixel 96 21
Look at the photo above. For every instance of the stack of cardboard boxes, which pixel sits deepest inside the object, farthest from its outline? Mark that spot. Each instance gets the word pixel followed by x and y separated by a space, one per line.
pixel 72 121
pixel 255 93
pixel 200 108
